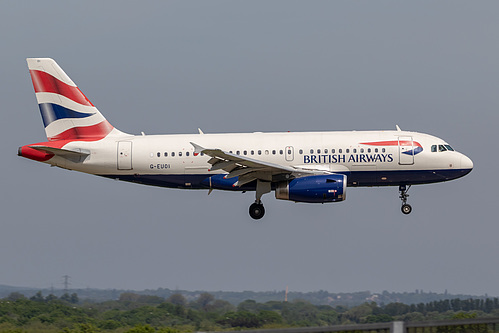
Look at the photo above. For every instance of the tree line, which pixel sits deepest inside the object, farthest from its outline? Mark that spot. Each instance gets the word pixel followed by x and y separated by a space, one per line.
pixel 134 313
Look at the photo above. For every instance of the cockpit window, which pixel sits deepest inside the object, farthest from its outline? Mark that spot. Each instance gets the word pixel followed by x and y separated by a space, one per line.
pixel 440 148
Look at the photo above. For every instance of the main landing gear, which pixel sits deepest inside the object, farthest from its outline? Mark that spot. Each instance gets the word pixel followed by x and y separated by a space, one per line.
pixel 406 208
pixel 256 209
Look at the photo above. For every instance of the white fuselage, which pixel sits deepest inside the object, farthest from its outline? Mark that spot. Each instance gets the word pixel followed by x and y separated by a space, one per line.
pixel 368 158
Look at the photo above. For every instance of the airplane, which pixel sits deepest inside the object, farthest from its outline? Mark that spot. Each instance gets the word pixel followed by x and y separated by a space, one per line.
pixel 311 167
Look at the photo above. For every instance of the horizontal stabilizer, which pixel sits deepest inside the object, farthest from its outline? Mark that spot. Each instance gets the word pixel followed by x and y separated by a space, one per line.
pixel 76 156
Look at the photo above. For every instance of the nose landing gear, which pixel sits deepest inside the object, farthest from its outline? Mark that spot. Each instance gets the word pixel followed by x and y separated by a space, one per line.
pixel 406 208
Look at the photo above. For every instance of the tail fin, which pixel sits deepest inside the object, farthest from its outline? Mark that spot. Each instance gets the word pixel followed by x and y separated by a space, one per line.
pixel 67 113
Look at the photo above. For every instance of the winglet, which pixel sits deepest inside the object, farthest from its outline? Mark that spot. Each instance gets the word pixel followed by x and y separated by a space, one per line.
pixel 398 128
pixel 200 131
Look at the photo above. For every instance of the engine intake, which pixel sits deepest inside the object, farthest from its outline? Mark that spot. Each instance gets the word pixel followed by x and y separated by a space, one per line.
pixel 319 189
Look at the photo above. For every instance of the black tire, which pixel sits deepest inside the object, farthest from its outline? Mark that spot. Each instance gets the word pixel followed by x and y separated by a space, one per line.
pixel 256 211
pixel 406 209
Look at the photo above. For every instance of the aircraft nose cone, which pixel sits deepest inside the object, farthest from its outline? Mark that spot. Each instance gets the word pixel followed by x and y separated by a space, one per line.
pixel 466 162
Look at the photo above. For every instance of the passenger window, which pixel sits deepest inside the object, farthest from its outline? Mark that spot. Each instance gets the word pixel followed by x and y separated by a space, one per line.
pixel 238 152
pixel 361 150
pixel 281 152
pixel 348 150
pixel 259 152
pixel 318 151
pixel 187 153
pixel 311 151
pixel 273 152
pixel 368 150
pixel 245 152
pixel 340 150
pixel 383 150
pixel 173 154
pixel 355 150
pixel 325 151
pixel 252 152
pixel 332 151
pixel 375 150
pixel 159 154
pixel 300 151
pixel 434 148
pixel 180 154
pixel 166 154
pixel 266 152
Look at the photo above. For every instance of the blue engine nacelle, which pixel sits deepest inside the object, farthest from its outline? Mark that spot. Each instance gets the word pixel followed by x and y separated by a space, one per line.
pixel 322 188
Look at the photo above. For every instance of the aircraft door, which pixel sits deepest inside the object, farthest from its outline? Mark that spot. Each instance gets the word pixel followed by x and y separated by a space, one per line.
pixel 289 153
pixel 406 150
pixel 125 155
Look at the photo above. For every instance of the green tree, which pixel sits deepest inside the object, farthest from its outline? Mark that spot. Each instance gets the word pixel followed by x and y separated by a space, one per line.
pixel 38 297
pixel 141 329
pixel 14 296
pixel 74 298
pixel 396 309
pixel 129 297
pixel 241 319
pixel 248 305
pixel 177 299
pixel 266 317
pixel 204 300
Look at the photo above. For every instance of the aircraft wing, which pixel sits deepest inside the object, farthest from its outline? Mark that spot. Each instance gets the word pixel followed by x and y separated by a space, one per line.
pixel 249 169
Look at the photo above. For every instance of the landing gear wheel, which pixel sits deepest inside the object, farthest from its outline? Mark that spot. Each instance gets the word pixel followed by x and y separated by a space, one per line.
pixel 256 211
pixel 406 209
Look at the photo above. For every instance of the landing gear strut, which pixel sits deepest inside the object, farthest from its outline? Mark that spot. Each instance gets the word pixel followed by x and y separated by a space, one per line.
pixel 256 209
pixel 406 208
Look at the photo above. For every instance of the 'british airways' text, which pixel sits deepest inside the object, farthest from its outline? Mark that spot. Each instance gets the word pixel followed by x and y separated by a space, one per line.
pixel 353 158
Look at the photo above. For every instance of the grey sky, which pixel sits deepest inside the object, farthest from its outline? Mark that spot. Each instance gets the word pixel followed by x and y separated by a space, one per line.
pixel 234 66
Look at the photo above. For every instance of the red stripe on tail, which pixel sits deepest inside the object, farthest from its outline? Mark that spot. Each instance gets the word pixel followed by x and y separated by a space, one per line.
pixel 43 82
pixel 86 133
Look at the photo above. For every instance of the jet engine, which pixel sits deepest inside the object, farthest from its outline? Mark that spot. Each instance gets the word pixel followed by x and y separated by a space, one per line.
pixel 320 189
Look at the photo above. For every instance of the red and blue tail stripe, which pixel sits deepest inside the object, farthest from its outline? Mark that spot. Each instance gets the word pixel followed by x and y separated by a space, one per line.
pixel 66 112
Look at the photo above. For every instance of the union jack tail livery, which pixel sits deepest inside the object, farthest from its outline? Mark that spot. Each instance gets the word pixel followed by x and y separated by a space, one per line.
pixel 67 113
